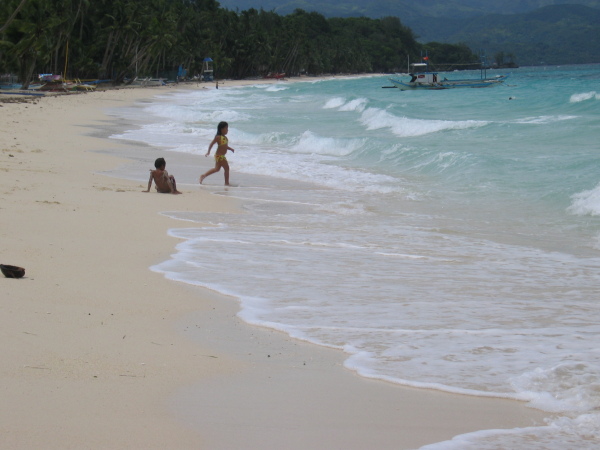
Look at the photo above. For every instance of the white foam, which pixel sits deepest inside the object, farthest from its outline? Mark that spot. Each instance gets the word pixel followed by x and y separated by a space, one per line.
pixel 358 104
pixel 375 119
pixel 308 169
pixel 582 97
pixel 586 203
pixel 568 387
pixel 543 120
pixel 334 103
pixel 276 88
pixel 341 104
pixel 311 143
pixel 270 139
pixel 166 134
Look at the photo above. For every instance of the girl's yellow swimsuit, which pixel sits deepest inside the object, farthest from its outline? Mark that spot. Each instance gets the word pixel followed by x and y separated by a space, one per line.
pixel 222 158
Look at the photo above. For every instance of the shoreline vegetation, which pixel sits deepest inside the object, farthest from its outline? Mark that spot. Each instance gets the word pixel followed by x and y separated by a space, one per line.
pixel 94 346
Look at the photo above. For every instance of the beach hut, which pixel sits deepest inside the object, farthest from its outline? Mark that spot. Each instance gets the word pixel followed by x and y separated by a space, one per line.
pixel 181 73
pixel 207 70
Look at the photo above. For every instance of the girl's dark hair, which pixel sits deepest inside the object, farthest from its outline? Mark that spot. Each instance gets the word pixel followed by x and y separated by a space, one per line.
pixel 221 126
pixel 160 162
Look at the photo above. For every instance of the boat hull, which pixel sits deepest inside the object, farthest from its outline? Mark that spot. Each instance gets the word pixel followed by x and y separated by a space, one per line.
pixel 448 84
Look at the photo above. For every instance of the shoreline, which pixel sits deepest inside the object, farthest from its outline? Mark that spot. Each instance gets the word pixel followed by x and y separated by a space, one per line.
pixel 99 349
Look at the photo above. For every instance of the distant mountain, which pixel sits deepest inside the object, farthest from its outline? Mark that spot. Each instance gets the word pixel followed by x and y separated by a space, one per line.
pixel 405 10
pixel 530 31
pixel 560 34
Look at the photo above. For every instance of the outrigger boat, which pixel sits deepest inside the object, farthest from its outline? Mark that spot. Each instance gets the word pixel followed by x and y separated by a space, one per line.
pixel 422 78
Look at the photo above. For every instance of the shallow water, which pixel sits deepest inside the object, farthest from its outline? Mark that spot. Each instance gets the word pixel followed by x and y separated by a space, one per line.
pixel 446 239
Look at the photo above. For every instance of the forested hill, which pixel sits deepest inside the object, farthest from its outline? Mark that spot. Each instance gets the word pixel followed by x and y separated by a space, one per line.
pixel 531 31
pixel 560 34
pixel 407 11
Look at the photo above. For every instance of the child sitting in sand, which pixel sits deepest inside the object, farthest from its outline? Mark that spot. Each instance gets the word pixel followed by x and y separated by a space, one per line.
pixel 165 183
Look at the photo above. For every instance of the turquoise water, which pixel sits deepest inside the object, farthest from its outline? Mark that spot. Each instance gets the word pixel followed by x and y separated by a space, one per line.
pixel 443 239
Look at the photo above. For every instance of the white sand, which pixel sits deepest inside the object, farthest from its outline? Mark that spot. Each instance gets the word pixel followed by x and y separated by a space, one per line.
pixel 96 349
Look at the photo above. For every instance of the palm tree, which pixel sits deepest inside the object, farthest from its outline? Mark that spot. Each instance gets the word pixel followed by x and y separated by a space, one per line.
pixel 13 15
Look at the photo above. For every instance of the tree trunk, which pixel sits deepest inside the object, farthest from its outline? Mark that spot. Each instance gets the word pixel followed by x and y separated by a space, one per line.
pixel 108 52
pixel 29 73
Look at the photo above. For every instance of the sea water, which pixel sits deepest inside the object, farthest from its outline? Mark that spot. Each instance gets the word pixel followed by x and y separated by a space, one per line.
pixel 442 239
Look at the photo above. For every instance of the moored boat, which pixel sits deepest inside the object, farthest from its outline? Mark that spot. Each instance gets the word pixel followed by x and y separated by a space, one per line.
pixel 422 78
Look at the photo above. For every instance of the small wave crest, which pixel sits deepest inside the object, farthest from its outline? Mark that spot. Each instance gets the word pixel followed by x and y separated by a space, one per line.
pixel 358 104
pixel 306 169
pixel 221 115
pixel 311 143
pixel 178 113
pixel 375 118
pixel 335 102
pixel 341 104
pixel 569 387
pixel 586 203
pixel 167 134
pixel 275 88
pixel 542 120
pixel 584 96
pixel 276 138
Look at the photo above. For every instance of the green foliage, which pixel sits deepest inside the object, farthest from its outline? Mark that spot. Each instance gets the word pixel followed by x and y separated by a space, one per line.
pixel 534 31
pixel 122 39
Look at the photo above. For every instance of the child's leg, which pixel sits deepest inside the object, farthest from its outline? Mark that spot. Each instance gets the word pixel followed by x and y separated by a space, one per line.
pixel 173 185
pixel 211 171
pixel 226 168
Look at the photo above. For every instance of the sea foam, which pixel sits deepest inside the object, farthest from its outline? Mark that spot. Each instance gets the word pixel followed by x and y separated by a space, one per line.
pixel 582 97
pixel 586 203
pixel 375 119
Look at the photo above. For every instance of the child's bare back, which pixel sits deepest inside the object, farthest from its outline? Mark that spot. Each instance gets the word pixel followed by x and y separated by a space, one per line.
pixel 165 183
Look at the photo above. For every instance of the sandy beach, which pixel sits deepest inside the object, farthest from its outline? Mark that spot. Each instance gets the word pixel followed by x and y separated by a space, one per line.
pixel 95 346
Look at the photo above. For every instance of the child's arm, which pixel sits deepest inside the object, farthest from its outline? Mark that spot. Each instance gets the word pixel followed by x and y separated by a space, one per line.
pixel 149 182
pixel 214 141
pixel 229 148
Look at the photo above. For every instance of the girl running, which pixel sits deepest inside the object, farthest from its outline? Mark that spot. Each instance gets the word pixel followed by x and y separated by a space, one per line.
pixel 222 147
